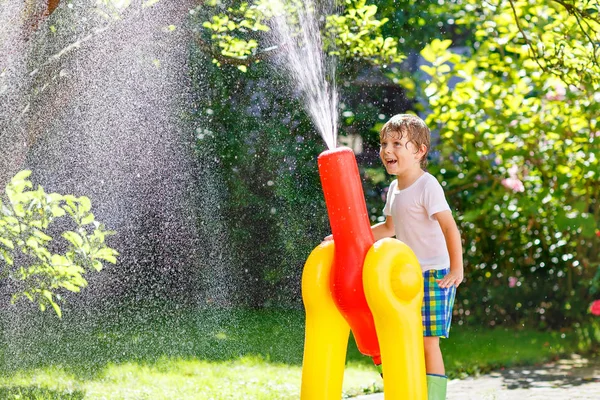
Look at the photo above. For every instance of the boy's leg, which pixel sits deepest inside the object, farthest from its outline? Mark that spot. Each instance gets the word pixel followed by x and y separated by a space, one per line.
pixel 434 365
pixel 434 362
pixel 437 315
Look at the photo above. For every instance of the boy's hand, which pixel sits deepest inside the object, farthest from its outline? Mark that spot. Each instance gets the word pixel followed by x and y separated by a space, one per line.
pixel 328 238
pixel 451 279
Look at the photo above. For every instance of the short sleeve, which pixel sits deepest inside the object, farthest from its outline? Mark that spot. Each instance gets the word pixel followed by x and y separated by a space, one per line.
pixel 434 199
pixel 387 210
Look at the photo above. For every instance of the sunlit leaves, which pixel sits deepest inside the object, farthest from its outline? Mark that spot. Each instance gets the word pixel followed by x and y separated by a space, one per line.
pixel 26 251
pixel 520 144
pixel 357 35
pixel 435 53
pixel 353 34
pixel 234 32
pixel 560 37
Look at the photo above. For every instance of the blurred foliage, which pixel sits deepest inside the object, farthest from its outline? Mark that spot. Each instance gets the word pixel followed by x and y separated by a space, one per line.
pixel 27 256
pixel 266 145
pixel 511 97
pixel 519 158
pixel 235 29
pixel 416 23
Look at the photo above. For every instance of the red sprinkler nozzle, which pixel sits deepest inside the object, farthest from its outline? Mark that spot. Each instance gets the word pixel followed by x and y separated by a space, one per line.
pixel 353 237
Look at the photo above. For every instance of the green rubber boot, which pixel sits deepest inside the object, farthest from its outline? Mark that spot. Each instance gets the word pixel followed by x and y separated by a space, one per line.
pixel 436 387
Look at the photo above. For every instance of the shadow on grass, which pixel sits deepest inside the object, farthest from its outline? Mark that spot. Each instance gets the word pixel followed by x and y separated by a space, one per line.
pixel 34 393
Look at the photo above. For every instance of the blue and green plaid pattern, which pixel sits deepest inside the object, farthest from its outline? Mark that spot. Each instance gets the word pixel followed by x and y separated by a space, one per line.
pixel 437 304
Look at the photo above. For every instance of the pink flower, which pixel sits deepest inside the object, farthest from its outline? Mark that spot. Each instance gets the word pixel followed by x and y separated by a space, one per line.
pixel 384 193
pixel 512 281
pixel 557 94
pixel 513 184
pixel 595 307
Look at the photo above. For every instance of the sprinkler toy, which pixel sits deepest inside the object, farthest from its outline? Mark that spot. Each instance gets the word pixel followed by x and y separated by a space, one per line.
pixel 352 284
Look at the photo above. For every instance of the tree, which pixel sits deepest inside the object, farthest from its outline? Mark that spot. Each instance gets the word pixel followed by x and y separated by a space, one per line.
pixel 518 135
pixel 519 155
pixel 28 256
pixel 35 14
pixel 265 144
pixel 354 34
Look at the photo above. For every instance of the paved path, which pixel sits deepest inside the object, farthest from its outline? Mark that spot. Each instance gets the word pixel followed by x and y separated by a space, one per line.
pixel 572 379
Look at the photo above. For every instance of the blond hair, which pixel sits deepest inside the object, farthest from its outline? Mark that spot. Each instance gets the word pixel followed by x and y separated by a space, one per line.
pixel 413 128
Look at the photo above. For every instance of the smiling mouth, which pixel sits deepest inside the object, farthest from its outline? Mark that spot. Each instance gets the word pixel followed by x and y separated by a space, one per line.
pixel 391 162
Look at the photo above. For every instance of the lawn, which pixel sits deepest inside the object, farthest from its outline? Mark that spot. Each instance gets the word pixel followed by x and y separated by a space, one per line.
pixel 175 353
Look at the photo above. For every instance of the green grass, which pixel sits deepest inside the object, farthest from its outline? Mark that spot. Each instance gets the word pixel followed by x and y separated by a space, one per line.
pixel 214 354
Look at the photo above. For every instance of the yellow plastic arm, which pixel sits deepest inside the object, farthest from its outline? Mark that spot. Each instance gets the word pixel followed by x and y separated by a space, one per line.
pixel 327 332
pixel 393 284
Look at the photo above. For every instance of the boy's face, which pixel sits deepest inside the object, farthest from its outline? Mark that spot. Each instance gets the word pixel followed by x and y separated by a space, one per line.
pixel 398 154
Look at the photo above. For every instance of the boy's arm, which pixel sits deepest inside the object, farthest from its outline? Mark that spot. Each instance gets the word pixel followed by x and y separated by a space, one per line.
pixel 453 242
pixel 384 229
pixel 380 230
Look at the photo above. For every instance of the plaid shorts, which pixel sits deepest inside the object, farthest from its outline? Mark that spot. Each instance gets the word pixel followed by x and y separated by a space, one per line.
pixel 437 304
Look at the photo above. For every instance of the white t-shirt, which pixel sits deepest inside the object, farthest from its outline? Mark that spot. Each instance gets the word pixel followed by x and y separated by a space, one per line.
pixel 412 210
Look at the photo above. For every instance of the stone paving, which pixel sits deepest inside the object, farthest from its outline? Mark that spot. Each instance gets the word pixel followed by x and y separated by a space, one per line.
pixel 570 379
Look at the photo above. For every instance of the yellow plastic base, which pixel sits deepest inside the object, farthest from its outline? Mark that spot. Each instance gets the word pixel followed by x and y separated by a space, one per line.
pixel 393 285
pixel 327 332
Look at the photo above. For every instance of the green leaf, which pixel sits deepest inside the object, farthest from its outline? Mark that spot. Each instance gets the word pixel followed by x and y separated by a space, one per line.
pixel 21 175
pixel 429 70
pixel 47 294
pixel 107 254
pixel 88 219
pixel 57 211
pixel 85 204
pixel 41 235
pixel 8 243
pixel 7 257
pixel 59 260
pixel 57 309
pixel 73 238
pixel 70 287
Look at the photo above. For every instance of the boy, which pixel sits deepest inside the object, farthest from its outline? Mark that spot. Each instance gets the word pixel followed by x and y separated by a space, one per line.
pixel 418 214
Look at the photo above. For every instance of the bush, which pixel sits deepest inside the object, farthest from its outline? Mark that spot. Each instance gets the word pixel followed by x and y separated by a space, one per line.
pixel 26 256
pixel 519 158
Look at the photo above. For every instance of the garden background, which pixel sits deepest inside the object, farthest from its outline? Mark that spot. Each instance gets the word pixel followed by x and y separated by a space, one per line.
pixel 194 147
